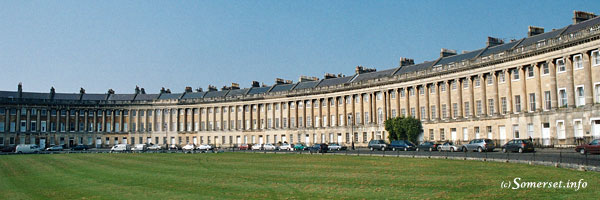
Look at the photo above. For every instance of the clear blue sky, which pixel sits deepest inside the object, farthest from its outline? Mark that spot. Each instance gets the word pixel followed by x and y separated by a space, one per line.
pixel 99 45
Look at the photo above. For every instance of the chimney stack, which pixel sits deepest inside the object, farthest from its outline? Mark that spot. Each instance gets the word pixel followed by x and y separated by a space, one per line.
pixel 235 86
pixel 361 69
pixel 307 78
pixel 20 89
pixel 143 91
pixel 212 88
pixel 492 41
pixel 81 91
pixel 406 61
pixel 255 84
pixel 534 30
pixel 447 52
pixel 188 89
pixel 580 16
pixel 110 91
pixel 52 92
pixel 279 81
pixel 137 89
pixel 328 76
pixel 162 90
pixel 199 89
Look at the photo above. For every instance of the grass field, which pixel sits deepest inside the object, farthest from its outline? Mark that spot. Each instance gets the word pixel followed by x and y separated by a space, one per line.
pixel 256 176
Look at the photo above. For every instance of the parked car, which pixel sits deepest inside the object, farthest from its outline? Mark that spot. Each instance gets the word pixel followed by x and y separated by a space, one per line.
pixel 27 148
pixel 55 148
pixel 592 147
pixel 285 147
pixel 269 147
pixel 154 147
pixel 256 147
pixel 245 147
pixel 300 147
pixel 479 145
pixel 188 147
pixel 120 148
pixel 205 147
pixel 140 147
pixel 402 145
pixel 318 148
pixel 337 147
pixel 518 145
pixel 448 146
pixel 174 147
pixel 8 149
pixel 80 147
pixel 427 146
pixel 377 144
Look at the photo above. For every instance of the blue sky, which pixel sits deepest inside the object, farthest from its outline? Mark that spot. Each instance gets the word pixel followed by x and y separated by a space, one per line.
pixel 99 45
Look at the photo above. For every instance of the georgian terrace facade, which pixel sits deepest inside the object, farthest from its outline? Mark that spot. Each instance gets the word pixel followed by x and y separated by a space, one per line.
pixel 545 86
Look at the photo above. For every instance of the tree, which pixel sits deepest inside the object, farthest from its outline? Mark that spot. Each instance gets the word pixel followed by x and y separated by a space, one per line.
pixel 403 128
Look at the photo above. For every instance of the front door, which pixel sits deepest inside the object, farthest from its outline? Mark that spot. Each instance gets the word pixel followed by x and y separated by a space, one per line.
pixel 453 134
pixel 502 131
pixel 546 134
pixel 42 143
pixel 339 138
pixel 98 142
pixel 596 128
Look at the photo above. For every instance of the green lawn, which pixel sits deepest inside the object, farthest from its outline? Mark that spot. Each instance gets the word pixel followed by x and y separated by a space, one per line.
pixel 259 176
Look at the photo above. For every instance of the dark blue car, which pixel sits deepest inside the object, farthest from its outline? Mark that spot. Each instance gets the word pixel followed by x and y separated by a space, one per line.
pixel 402 145
pixel 318 148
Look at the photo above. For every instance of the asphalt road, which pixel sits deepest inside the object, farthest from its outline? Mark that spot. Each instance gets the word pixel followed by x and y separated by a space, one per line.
pixel 552 155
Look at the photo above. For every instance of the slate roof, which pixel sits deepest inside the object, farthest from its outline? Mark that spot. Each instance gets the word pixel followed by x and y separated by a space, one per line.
pixel 282 87
pixel 334 81
pixel 582 25
pixel 93 97
pixel 121 97
pixel 237 92
pixel 165 96
pixel 65 96
pixel 306 84
pixel 34 95
pixel 193 95
pixel 8 94
pixel 458 58
pixel 259 90
pixel 213 94
pixel 146 97
pixel 413 68
pixel 373 75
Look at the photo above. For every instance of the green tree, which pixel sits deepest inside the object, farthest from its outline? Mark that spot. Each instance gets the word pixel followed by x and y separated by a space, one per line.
pixel 403 128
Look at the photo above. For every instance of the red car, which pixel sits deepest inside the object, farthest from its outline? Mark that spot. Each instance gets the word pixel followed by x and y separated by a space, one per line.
pixel 245 147
pixel 592 147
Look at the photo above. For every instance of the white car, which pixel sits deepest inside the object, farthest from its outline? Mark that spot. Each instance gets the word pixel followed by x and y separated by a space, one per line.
pixel 154 147
pixel 334 147
pixel 27 148
pixel 269 147
pixel 448 146
pixel 139 147
pixel 256 147
pixel 286 147
pixel 188 147
pixel 205 147
pixel 121 148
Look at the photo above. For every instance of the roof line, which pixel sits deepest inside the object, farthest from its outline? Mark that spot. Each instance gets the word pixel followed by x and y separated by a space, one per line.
pixel 295 84
pixel 271 88
pixel 481 52
pixel 397 69
pixel 564 29
pixel 517 44
pixel 436 61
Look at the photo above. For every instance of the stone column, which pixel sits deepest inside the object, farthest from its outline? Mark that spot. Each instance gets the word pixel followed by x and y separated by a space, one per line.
pixel 497 96
pixel 587 84
pixel 571 81
pixel 459 88
pixel 509 102
pixel 484 101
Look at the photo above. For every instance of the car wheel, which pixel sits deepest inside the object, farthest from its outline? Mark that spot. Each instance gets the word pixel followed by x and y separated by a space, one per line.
pixel 452 150
pixel 503 150
pixel 417 149
pixel 372 149
pixel 479 149
pixel 582 151
pixel 430 149
pixel 393 148
pixel 520 150
pixel 439 149
pixel 464 149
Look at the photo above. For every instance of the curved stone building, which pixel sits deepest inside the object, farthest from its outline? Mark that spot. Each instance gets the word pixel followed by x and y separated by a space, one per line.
pixel 545 86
